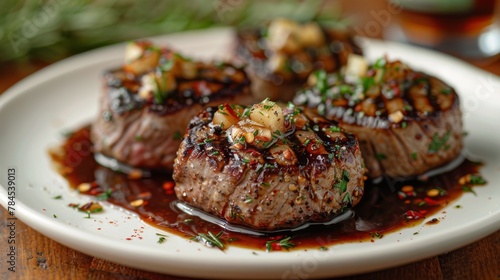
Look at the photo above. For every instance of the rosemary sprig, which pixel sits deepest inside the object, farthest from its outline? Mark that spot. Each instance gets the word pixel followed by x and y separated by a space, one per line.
pixel 210 239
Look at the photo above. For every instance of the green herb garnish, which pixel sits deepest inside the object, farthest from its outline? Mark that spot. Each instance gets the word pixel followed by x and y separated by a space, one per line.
pixel 380 156
pixel 446 91
pixel 477 180
pixel 468 189
pixel 283 243
pixel 413 156
pixel 177 135
pixel 248 199
pixel 380 63
pixel 210 239
pixel 321 81
pixel 162 238
pixel 342 185
pixel 105 195
pixel 438 143
pixel 334 129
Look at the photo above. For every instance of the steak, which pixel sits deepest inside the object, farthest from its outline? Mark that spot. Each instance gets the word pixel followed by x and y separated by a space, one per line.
pixel 268 175
pixel 146 105
pixel 281 56
pixel 407 122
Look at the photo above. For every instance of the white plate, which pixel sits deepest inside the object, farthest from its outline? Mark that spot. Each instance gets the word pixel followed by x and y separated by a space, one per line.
pixel 64 95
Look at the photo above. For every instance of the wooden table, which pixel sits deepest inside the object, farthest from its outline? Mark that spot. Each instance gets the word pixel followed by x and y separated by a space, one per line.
pixel 42 258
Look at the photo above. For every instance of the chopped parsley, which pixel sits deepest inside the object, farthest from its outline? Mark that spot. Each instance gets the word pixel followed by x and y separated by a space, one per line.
pixel 345 90
pixel 57 197
pixel 321 81
pixel 177 135
pixel 248 199
pixel 439 142
pixel 222 110
pixel 162 238
pixel 347 198
pixel 334 129
pixel 105 195
pixel 468 189
pixel 268 104
pixel 368 82
pixel 167 66
pixel 342 185
pixel 477 180
pixel 413 156
pixel 159 94
pixel 380 63
pixel 446 91
pixel 380 156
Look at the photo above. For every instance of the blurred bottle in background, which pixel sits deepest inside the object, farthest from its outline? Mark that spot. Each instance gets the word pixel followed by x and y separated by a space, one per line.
pixel 466 28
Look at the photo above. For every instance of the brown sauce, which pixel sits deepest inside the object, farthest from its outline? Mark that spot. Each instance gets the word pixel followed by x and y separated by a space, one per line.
pixel 386 207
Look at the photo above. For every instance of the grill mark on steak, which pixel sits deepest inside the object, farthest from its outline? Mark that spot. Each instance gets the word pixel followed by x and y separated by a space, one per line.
pixel 395 111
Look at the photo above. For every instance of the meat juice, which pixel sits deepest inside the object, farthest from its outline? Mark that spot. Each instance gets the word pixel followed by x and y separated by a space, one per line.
pixel 386 207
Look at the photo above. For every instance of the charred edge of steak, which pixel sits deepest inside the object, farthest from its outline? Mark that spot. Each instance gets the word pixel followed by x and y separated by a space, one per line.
pixel 251 48
pixel 210 85
pixel 389 96
pixel 307 151
pixel 308 143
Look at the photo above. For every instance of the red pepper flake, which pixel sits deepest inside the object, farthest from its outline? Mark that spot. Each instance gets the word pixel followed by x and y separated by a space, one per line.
pixel 168 185
pixel 431 202
pixel 94 191
pixel 401 195
pixel 276 246
pixel 128 238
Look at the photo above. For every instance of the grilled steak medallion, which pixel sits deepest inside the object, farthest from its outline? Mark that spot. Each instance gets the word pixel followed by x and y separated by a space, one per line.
pixel 407 121
pixel 146 105
pixel 281 56
pixel 268 166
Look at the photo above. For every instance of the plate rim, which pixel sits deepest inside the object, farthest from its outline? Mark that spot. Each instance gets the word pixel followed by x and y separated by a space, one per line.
pixel 35 219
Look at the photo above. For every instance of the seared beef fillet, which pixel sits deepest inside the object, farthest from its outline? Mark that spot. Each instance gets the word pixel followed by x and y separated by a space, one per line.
pixel 146 106
pixel 281 56
pixel 407 122
pixel 268 175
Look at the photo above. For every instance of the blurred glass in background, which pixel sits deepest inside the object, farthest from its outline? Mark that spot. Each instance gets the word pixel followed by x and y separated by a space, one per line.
pixel 466 28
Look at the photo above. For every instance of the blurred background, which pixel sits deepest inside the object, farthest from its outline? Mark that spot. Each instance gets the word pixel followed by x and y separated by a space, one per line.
pixel 35 33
